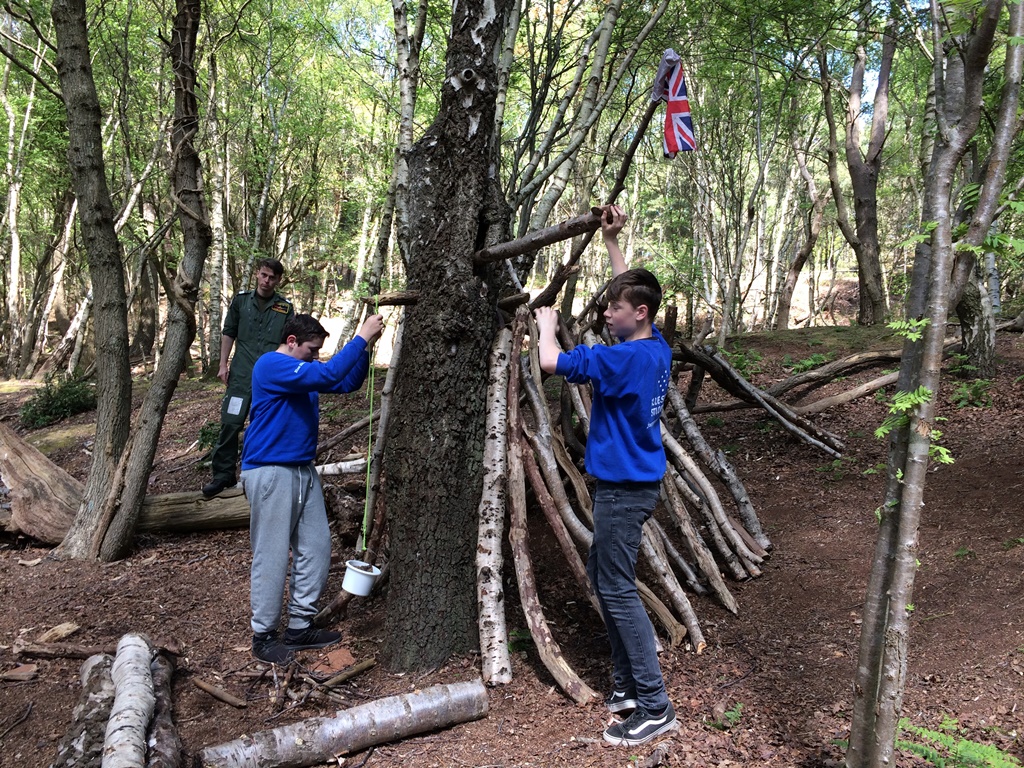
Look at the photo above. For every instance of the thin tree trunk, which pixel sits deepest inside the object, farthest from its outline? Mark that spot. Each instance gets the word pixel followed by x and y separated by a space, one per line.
pixel 882 659
pixel 187 191
pixel 96 214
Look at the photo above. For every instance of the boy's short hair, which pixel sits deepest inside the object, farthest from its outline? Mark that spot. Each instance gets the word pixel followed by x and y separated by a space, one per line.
pixel 304 328
pixel 637 286
pixel 273 265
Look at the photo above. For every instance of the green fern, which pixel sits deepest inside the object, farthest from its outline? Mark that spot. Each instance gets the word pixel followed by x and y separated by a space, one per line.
pixel 947 747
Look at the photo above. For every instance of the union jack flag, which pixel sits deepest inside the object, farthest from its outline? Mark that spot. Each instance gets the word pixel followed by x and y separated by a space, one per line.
pixel 678 123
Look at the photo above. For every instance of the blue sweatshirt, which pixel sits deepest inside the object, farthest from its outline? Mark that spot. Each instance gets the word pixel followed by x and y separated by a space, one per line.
pixel 285 415
pixel 630 381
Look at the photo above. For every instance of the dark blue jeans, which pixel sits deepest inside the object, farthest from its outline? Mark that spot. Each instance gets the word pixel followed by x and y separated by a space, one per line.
pixel 620 511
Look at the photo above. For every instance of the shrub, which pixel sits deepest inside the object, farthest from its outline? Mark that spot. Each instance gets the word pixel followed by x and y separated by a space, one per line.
pixel 60 397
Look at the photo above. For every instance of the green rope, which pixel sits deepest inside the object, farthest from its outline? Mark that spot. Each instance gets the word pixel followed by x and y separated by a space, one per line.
pixel 367 513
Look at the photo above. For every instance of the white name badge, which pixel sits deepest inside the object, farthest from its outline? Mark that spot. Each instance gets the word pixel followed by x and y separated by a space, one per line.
pixel 235 406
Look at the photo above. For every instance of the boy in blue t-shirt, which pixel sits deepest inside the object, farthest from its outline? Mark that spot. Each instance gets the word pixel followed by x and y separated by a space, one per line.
pixel 625 454
pixel 282 485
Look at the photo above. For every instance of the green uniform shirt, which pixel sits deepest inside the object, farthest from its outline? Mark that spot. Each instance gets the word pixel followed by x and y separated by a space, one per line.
pixel 255 331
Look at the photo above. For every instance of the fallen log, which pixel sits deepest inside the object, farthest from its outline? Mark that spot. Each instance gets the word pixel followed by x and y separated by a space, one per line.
pixel 164 742
pixel 44 498
pixel 82 744
pixel 322 739
pixel 124 745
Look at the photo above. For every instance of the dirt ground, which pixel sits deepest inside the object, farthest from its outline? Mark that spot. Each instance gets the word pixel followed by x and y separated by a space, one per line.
pixel 773 687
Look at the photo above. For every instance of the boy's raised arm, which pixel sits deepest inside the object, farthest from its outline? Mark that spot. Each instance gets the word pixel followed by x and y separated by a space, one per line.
pixel 547 343
pixel 612 221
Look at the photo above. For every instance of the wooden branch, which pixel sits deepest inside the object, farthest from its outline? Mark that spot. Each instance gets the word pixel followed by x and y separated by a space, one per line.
pixel 695 544
pixel 845 397
pixel 534 241
pixel 658 563
pixel 347 674
pixel 730 379
pixel 219 693
pixel 710 495
pixel 541 443
pixel 124 744
pixel 495 664
pixel 547 646
pixel 60 650
pixel 321 740
pixel 547 505
pixel 82 744
pixel 675 557
pixel 346 433
pixel 720 465
pixel 392 299
pixel 351 467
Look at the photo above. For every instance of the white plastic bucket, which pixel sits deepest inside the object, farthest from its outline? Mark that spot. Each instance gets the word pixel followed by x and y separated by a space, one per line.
pixel 359 577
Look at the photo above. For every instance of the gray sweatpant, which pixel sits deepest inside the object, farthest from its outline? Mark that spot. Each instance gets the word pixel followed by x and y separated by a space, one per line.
pixel 288 513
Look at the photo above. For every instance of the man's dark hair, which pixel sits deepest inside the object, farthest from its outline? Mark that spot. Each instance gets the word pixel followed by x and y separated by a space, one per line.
pixel 637 286
pixel 304 328
pixel 273 265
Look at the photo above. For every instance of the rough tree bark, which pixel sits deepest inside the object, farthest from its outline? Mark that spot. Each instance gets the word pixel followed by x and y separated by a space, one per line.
pixel 187 190
pixel 434 467
pixel 96 217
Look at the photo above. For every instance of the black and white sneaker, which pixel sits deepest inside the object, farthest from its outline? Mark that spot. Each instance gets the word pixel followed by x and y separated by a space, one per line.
pixel 621 701
pixel 640 727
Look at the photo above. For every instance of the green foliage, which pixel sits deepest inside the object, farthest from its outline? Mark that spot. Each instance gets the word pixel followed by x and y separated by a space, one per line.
pixel 921 237
pixel 960 365
pixel 747 362
pixel 60 397
pixel 965 553
pixel 912 329
pixel 208 434
pixel 973 394
pixel 948 748
pixel 900 407
pixel 730 717
pixel 716 421
pixel 1011 543
pixel 878 468
pixel 836 469
pixel 519 640
pixel 806 364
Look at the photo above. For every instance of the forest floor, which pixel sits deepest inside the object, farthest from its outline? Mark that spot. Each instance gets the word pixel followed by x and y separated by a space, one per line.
pixel 773 687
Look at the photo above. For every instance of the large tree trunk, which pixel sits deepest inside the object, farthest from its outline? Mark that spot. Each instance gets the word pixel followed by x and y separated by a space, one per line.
pixel 978 326
pixel 181 322
pixel 96 215
pixel 433 465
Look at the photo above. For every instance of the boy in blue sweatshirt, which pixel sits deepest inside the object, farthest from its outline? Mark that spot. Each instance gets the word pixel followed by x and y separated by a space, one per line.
pixel 281 483
pixel 625 454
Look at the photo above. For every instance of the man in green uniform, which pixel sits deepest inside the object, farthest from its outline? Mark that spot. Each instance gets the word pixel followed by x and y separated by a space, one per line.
pixel 253 326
